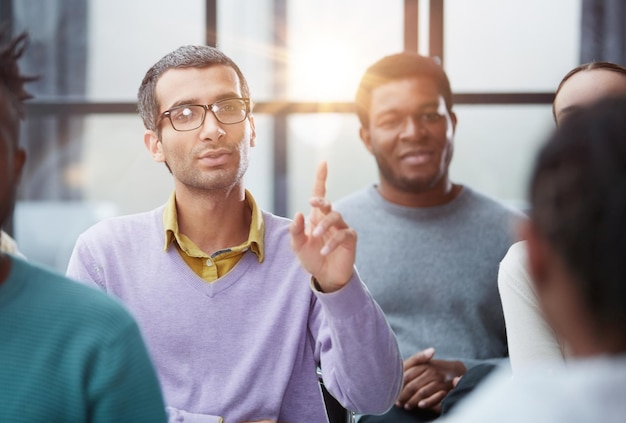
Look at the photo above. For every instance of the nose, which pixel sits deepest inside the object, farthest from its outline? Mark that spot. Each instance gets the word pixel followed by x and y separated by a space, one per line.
pixel 412 129
pixel 211 128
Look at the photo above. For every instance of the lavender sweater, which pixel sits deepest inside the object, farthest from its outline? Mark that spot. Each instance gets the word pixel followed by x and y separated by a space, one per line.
pixel 245 347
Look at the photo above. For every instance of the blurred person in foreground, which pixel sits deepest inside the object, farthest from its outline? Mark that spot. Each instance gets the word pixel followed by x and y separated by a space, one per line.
pixel 68 352
pixel 529 337
pixel 575 243
pixel 239 306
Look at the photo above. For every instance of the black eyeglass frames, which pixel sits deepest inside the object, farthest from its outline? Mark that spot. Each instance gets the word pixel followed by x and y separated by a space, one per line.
pixel 188 117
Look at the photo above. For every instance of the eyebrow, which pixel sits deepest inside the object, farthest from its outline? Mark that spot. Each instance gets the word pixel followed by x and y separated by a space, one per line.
pixel 421 107
pixel 183 102
pixel 196 100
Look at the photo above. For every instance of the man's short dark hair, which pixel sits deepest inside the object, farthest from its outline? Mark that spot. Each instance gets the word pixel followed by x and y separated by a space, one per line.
pixel 190 56
pixel 399 66
pixel 578 203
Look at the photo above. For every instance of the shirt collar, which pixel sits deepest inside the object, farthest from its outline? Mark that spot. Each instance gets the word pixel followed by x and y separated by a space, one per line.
pixel 256 234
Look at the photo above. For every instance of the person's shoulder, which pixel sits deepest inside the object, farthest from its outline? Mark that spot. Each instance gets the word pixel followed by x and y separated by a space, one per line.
pixel 516 254
pixel 68 297
pixel 126 225
pixel 276 228
pixel 489 203
pixel 274 222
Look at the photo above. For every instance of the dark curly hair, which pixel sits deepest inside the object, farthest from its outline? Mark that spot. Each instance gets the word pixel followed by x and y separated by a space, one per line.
pixel 11 81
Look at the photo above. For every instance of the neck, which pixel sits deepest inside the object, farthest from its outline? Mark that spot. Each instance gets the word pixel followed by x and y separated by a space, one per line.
pixel 437 196
pixel 601 341
pixel 214 220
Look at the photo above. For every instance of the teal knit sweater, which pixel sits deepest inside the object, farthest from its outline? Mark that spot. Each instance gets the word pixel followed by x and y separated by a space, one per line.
pixel 69 353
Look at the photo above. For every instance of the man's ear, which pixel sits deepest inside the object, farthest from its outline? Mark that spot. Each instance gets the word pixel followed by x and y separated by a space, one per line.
pixel 364 133
pixel 453 118
pixel 153 144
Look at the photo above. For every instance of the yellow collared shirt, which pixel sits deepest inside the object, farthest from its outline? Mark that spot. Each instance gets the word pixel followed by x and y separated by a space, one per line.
pixel 211 267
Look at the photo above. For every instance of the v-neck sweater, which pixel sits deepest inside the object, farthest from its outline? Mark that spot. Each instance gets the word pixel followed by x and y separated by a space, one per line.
pixel 245 347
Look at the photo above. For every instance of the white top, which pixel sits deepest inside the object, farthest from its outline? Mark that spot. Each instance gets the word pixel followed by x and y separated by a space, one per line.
pixel 579 391
pixel 529 337
pixel 8 245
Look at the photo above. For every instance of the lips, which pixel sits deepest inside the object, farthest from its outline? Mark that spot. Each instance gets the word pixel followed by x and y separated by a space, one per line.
pixel 417 157
pixel 214 157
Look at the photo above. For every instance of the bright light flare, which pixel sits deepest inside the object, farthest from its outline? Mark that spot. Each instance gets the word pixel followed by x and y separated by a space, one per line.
pixel 323 71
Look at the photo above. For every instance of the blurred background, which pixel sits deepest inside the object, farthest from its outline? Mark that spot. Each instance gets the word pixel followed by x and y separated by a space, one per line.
pixel 303 60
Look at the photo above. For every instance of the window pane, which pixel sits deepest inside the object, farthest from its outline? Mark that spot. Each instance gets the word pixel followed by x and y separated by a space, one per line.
pixel 245 33
pixel 127 37
pixel 503 46
pixel 331 42
pixel 331 137
pixel 495 147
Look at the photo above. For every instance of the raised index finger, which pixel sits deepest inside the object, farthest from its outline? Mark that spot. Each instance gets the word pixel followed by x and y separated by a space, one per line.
pixel 319 187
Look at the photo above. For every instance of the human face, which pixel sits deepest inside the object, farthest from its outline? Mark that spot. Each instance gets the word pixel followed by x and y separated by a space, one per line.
pixel 586 87
pixel 410 135
pixel 11 162
pixel 215 156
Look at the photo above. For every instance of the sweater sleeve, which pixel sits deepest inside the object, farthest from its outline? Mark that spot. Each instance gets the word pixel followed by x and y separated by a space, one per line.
pixel 357 350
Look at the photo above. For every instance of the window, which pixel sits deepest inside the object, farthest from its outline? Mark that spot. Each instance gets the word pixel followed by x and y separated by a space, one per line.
pixel 303 61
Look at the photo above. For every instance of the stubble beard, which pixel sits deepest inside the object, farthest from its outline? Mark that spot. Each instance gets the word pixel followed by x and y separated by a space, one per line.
pixel 415 184
pixel 419 183
pixel 224 179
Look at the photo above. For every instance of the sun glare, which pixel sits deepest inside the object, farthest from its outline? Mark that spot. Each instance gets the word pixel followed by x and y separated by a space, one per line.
pixel 325 70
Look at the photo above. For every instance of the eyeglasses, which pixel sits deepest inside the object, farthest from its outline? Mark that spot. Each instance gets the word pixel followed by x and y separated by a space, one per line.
pixel 188 117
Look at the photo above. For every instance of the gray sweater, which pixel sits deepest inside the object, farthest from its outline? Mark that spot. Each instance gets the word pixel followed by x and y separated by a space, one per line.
pixel 434 270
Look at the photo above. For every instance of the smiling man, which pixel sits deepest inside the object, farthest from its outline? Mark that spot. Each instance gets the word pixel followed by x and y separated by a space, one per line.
pixel 237 321
pixel 428 248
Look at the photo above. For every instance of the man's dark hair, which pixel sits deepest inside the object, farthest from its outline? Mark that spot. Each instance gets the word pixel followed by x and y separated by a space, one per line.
pixel 578 203
pixel 11 81
pixel 399 66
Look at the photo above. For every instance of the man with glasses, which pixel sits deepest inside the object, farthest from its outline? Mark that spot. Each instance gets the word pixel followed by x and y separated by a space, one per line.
pixel 237 321
pixel 431 259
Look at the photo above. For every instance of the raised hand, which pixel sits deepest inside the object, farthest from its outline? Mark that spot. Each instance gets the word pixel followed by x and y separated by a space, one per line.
pixel 325 245
pixel 427 381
